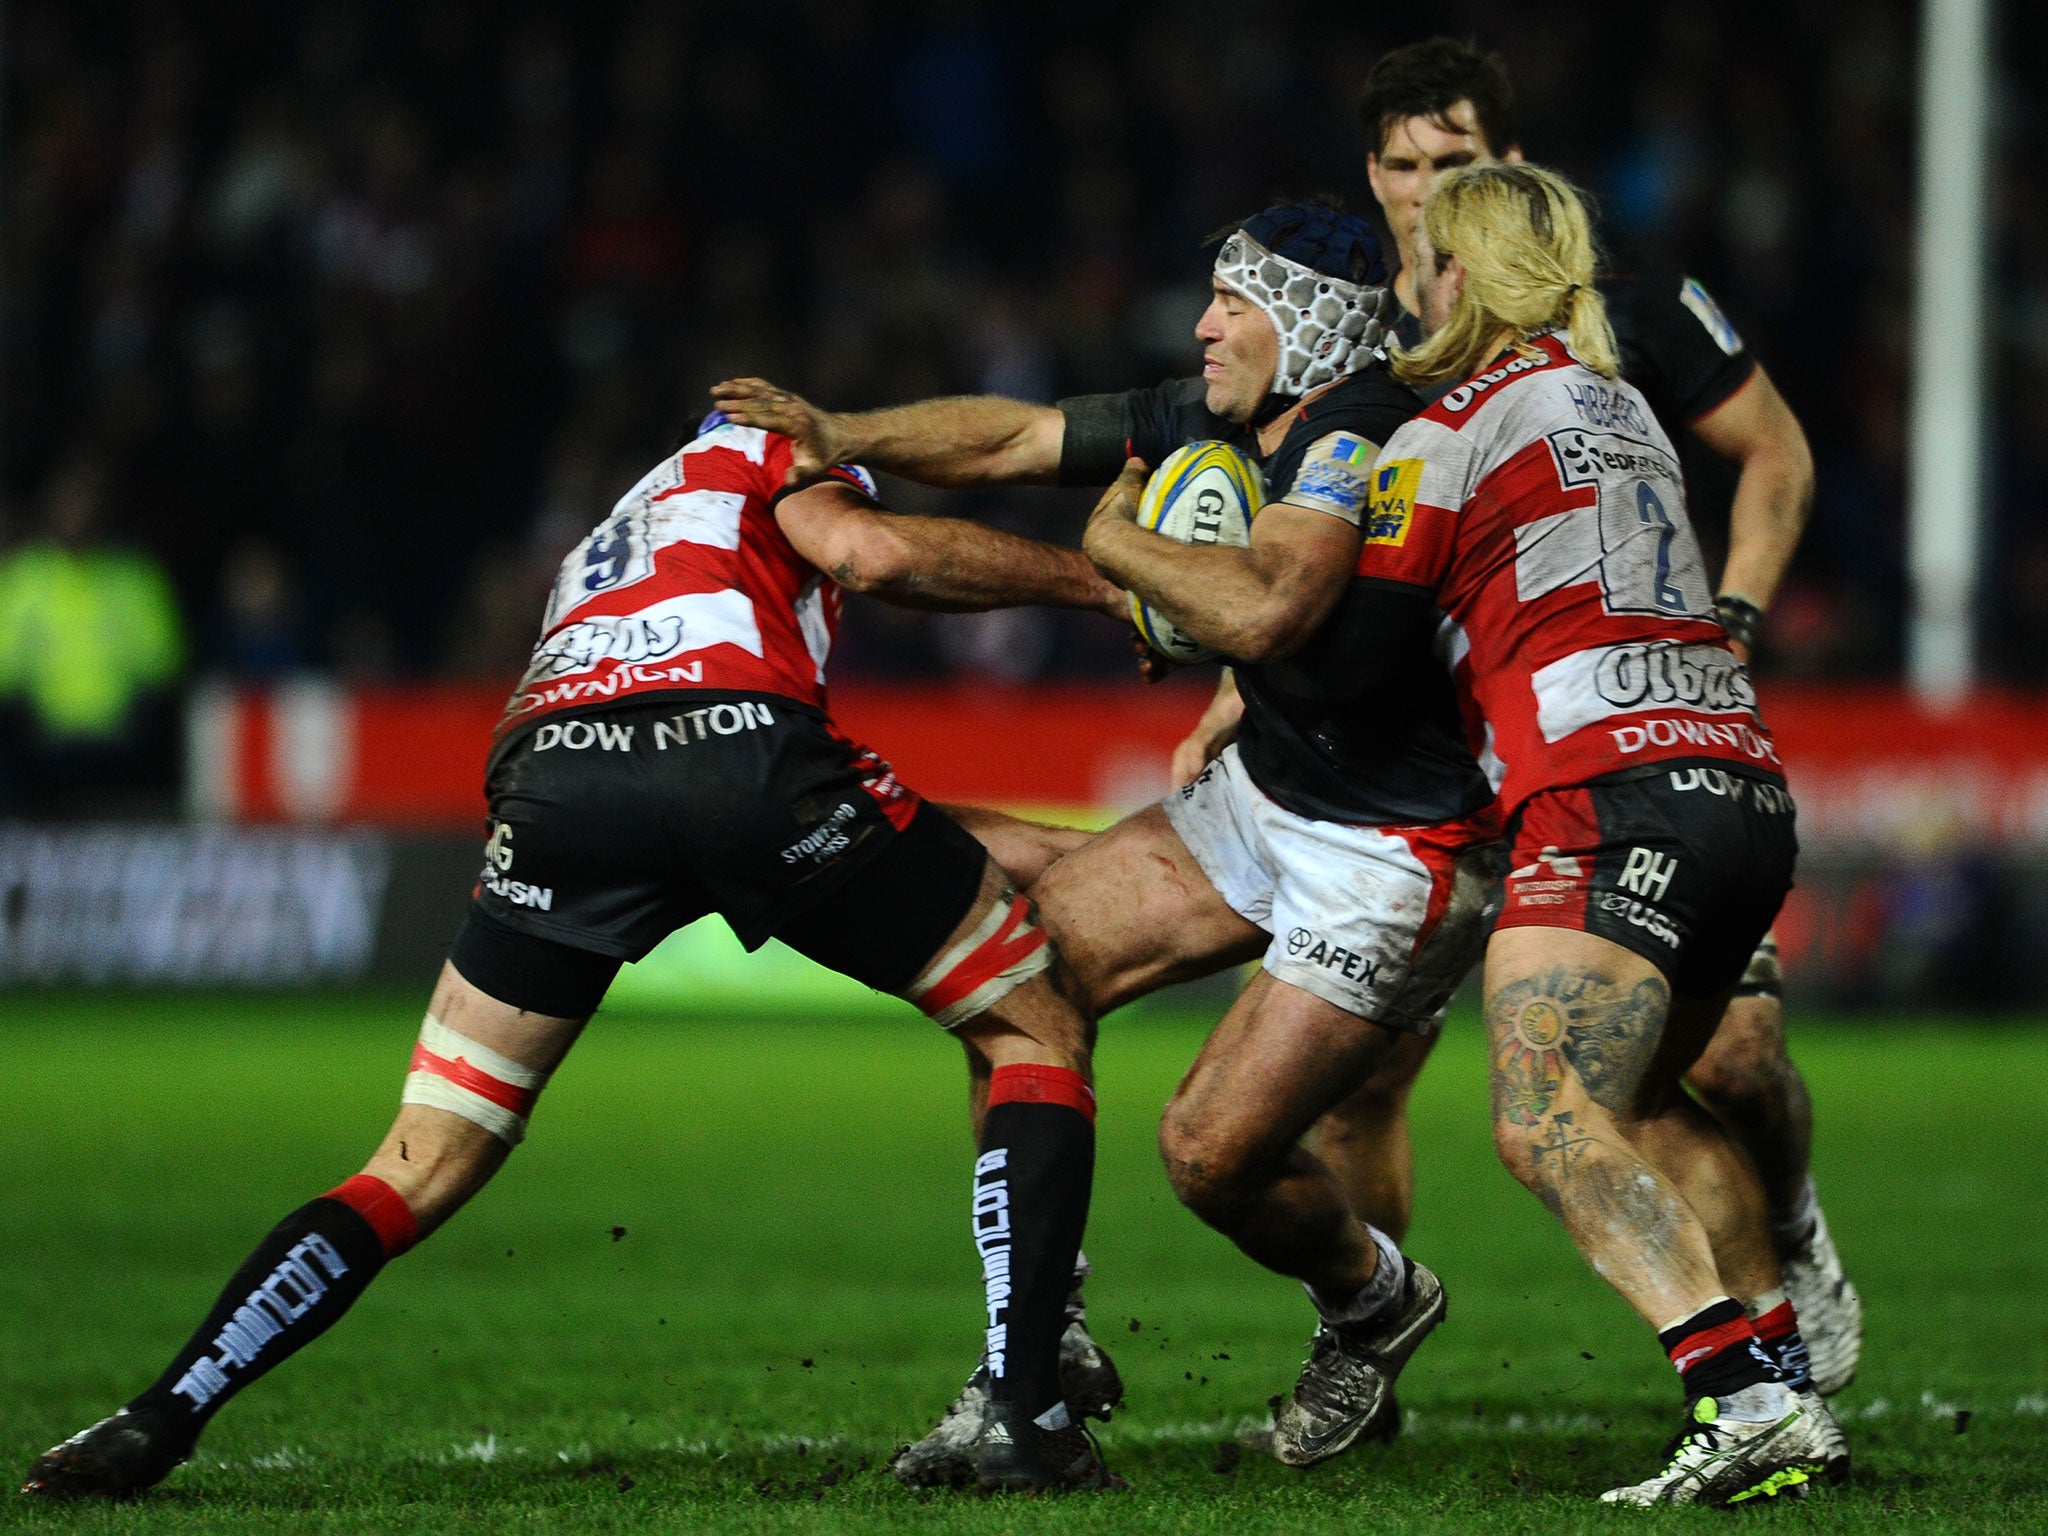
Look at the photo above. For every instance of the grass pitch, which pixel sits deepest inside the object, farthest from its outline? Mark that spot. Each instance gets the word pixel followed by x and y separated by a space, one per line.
pixel 730 1272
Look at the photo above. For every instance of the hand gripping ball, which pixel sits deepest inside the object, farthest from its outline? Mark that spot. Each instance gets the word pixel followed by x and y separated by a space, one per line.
pixel 1205 493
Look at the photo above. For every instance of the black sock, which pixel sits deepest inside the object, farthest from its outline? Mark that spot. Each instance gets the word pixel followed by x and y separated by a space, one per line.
pixel 1777 1327
pixel 293 1288
pixel 1717 1351
pixel 1031 1187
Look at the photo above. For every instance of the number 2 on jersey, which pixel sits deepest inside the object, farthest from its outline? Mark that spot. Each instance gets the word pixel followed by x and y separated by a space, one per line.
pixel 1651 511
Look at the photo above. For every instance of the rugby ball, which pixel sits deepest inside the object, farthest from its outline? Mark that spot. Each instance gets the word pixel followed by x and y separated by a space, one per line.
pixel 1205 493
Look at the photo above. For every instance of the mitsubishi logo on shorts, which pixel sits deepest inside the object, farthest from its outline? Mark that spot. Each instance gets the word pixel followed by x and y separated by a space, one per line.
pixel 1559 864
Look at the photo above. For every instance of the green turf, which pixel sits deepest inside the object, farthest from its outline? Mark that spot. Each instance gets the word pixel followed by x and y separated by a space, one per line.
pixel 795 1294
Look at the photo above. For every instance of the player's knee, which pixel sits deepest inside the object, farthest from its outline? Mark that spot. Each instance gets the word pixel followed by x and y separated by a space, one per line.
pixel 1207 1173
pixel 1746 1058
pixel 1005 975
pixel 472 1081
pixel 1513 1145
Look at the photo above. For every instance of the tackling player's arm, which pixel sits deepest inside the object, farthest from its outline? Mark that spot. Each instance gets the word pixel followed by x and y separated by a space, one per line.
pixel 1755 429
pixel 959 441
pixel 935 562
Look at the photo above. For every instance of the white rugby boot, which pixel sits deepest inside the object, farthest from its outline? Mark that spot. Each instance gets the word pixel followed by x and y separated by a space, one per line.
pixel 1834 1445
pixel 1830 1311
pixel 1759 1443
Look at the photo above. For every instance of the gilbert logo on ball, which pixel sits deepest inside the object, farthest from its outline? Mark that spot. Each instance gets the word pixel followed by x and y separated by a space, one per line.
pixel 1205 493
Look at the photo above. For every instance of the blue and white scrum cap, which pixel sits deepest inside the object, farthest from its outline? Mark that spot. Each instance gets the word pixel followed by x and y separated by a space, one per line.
pixel 1316 273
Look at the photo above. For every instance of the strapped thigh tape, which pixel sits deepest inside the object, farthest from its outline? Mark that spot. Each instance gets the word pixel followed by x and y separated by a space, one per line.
pixel 1006 949
pixel 453 1072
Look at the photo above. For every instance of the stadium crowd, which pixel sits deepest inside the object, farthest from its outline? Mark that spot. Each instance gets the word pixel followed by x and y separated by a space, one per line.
pixel 359 312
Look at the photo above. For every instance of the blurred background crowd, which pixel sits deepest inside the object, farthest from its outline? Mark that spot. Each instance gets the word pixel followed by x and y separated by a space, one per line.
pixel 327 328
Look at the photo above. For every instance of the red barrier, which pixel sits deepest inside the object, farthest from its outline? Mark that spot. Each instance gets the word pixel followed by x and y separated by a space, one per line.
pixel 1869 767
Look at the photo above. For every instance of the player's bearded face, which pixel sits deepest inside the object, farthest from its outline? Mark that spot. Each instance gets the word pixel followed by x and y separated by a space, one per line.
pixel 1240 354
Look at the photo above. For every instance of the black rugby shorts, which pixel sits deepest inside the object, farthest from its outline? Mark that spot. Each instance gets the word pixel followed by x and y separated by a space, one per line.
pixel 1685 863
pixel 611 828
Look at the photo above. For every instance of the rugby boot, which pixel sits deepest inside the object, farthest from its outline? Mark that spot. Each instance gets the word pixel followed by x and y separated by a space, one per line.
pixel 1830 1312
pixel 1834 1444
pixel 943 1458
pixel 1089 1380
pixel 126 1454
pixel 1348 1380
pixel 1015 1454
pixel 1759 1443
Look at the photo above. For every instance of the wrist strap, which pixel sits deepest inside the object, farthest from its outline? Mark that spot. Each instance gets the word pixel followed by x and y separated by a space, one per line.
pixel 1740 617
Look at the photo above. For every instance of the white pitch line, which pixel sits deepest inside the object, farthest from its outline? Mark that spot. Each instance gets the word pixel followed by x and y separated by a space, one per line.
pixel 490 1450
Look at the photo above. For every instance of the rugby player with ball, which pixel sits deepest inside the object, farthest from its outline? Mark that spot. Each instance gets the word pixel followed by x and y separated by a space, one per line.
pixel 1344 839
pixel 1431 107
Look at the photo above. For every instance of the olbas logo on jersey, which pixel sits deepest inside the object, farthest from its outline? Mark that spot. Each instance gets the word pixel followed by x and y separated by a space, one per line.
pixel 1394 487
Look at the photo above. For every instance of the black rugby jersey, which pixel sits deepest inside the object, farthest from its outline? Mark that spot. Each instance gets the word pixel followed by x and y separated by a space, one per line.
pixel 1361 724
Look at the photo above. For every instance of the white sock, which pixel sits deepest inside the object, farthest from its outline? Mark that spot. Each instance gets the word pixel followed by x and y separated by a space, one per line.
pixel 1377 1294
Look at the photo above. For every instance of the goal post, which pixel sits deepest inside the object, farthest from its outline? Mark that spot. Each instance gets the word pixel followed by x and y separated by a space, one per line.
pixel 1946 460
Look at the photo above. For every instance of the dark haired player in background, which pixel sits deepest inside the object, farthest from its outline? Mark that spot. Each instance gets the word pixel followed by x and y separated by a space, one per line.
pixel 1344 839
pixel 1430 107
pixel 669 754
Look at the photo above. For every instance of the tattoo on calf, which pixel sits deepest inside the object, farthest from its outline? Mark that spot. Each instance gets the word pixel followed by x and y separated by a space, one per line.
pixel 1565 1144
pixel 1544 1022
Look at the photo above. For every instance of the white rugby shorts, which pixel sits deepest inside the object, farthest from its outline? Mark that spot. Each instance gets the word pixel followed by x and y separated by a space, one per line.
pixel 1383 922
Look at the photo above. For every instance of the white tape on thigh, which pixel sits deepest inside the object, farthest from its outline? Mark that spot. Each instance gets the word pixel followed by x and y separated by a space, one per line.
pixel 1006 949
pixel 466 1077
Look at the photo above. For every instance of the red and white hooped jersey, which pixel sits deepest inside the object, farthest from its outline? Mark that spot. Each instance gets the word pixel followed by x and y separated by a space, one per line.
pixel 690 584
pixel 1545 507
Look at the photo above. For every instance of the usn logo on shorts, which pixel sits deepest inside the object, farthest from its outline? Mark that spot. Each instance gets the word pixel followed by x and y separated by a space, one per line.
pixel 496 876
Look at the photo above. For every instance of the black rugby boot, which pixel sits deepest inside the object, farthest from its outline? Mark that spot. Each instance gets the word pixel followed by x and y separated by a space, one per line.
pixel 1015 1454
pixel 117 1458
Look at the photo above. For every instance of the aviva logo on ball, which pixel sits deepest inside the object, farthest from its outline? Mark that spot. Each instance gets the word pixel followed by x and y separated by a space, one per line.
pixel 1205 493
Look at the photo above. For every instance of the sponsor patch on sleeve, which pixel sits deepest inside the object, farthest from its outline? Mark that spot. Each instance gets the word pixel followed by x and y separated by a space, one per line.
pixel 1694 296
pixel 1392 510
pixel 1335 477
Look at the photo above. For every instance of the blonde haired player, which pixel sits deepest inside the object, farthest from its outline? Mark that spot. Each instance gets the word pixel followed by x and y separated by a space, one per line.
pixel 1650 832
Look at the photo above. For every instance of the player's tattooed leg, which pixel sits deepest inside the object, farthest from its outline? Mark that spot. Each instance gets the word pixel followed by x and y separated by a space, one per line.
pixel 1575 1026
